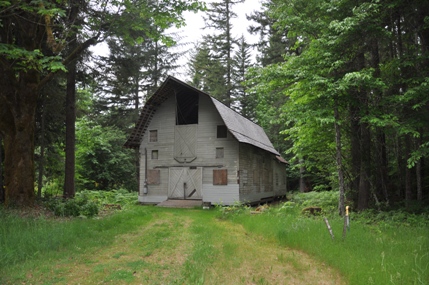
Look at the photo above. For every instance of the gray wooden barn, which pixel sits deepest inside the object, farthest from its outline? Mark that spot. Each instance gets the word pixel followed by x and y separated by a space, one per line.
pixel 194 147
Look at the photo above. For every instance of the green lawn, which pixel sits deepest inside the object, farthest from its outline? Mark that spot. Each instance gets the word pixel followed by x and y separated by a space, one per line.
pixel 151 245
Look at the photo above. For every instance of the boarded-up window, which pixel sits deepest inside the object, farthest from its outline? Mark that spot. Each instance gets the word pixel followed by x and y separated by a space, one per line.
pixel 243 176
pixel 220 177
pixel 219 152
pixel 153 135
pixel 154 154
pixel 153 176
pixel 255 177
pixel 222 132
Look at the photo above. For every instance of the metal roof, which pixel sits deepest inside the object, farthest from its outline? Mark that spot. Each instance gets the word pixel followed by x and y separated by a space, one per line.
pixel 244 130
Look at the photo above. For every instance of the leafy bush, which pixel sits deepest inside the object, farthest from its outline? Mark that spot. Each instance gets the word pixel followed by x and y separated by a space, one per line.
pixel 121 196
pixel 229 211
pixel 79 206
pixel 392 218
pixel 327 200
pixel 88 203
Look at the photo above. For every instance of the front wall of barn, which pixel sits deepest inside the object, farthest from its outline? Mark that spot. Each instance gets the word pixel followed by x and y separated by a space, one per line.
pixel 182 162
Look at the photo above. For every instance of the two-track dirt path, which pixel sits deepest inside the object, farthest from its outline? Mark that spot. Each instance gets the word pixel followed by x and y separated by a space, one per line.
pixel 188 247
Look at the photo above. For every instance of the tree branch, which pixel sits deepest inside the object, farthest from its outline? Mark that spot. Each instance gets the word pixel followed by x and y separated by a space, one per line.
pixel 72 56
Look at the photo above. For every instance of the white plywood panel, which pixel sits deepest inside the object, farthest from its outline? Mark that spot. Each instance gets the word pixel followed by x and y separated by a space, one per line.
pixel 224 195
pixel 151 199
pixel 253 197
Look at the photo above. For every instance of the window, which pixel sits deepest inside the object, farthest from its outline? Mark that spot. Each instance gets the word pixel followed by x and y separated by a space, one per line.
pixel 153 135
pixel 219 152
pixel 222 132
pixel 256 177
pixel 187 108
pixel 154 154
pixel 220 177
pixel 153 177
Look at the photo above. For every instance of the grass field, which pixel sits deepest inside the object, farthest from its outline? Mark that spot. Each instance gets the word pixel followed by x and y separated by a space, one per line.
pixel 151 245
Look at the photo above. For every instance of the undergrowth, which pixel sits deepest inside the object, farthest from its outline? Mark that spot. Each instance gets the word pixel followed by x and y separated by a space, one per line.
pixel 89 203
pixel 25 240
pixel 379 248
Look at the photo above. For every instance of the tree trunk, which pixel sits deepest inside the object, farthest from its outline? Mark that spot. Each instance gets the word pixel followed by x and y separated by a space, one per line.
pixel 19 161
pixel 69 180
pixel 341 202
pixel 381 162
pixel 408 186
pixel 1 170
pixel 302 184
pixel 42 151
pixel 365 174
pixel 419 171
pixel 355 153
pixel 17 123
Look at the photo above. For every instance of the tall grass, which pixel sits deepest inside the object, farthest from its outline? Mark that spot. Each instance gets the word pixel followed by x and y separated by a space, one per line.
pixel 376 253
pixel 24 240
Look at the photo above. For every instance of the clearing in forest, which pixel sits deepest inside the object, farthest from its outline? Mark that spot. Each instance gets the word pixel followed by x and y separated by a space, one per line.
pixel 186 247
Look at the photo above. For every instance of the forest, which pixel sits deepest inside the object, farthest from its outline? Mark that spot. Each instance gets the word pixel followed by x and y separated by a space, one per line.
pixel 341 88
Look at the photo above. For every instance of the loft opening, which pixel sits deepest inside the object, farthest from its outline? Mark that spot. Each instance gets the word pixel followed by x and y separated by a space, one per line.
pixel 187 107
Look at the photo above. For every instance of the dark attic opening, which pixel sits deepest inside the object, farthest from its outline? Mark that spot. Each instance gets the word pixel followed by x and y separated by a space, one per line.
pixel 186 108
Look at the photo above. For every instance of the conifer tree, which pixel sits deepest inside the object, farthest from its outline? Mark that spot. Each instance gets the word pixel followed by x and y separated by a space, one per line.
pixel 207 72
pixel 132 72
pixel 245 103
pixel 222 41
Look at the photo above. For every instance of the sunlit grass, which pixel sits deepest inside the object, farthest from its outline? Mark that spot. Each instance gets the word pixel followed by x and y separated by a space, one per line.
pixel 151 245
pixel 25 241
pixel 369 254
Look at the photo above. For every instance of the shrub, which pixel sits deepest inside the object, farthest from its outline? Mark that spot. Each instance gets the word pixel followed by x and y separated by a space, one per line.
pixel 327 200
pixel 232 210
pixel 80 206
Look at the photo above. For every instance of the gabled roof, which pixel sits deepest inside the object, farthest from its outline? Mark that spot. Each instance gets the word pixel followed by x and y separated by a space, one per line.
pixel 244 130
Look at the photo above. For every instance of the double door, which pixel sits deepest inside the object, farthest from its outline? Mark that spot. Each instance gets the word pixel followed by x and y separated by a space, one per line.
pixel 185 183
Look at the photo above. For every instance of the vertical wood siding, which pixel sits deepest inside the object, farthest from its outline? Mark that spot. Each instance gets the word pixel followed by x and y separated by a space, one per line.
pixel 259 169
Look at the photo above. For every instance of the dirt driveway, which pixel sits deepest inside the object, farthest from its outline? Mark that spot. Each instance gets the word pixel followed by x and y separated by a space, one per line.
pixel 189 247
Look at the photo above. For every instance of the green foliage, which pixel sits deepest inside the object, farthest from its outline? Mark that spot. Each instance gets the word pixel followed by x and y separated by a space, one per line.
pixel 379 251
pixel 344 63
pixel 226 212
pixel 327 200
pixel 24 239
pixel 89 203
pixel 121 197
pixel 79 206
pixel 397 218
pixel 101 160
pixel 376 253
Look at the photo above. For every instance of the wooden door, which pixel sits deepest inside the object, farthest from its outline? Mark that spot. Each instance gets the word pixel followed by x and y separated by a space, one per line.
pixel 185 183
pixel 185 141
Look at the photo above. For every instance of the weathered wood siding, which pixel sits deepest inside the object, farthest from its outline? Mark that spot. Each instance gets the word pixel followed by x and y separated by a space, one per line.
pixel 259 174
pixel 164 122
pixel 205 149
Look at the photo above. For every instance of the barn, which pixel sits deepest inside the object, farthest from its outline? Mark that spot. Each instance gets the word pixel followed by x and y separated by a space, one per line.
pixel 193 147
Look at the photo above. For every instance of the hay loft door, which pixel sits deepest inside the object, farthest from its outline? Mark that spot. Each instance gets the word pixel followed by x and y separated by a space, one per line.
pixel 185 183
pixel 185 142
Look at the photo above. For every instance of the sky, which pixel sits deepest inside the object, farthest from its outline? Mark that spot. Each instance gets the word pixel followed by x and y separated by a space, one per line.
pixel 193 31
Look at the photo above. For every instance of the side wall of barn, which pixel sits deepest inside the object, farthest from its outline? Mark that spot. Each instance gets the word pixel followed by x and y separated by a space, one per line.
pixel 261 175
